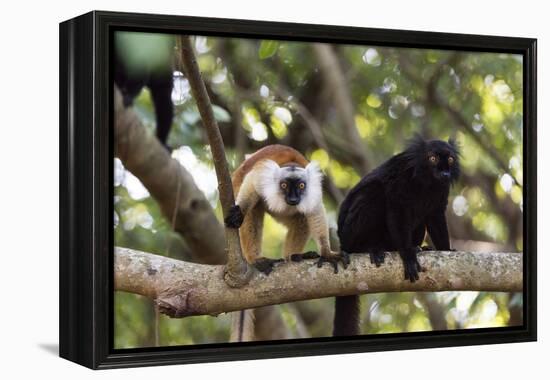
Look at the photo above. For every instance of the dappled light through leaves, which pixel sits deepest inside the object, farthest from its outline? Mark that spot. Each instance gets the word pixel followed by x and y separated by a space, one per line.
pixel 274 92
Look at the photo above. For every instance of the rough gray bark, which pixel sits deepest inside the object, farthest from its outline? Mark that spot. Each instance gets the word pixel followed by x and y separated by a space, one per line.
pixel 166 180
pixel 183 289
pixel 237 270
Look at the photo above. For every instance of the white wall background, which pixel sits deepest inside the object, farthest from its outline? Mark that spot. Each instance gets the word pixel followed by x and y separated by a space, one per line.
pixel 29 167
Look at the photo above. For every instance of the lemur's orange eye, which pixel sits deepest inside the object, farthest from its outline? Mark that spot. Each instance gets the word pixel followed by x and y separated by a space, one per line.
pixel 451 160
pixel 302 186
pixel 433 159
pixel 284 185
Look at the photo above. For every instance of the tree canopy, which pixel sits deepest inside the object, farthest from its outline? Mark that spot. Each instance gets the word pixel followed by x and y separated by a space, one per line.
pixel 349 108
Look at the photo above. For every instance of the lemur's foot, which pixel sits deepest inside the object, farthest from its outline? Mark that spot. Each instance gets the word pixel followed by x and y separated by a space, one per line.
pixel 265 265
pixel 377 258
pixel 297 257
pixel 411 265
pixel 235 218
pixel 333 259
pixel 424 248
pixel 430 248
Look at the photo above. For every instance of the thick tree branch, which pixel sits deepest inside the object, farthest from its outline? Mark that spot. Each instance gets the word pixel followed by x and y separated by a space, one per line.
pixel 165 179
pixel 238 271
pixel 183 289
pixel 147 159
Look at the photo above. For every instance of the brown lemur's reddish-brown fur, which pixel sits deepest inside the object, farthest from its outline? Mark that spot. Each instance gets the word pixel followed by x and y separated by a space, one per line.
pixel 281 154
pixel 279 180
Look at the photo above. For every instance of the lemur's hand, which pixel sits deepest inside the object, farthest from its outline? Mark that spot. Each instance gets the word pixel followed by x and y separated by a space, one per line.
pixel 377 257
pixel 265 265
pixel 297 257
pixel 411 264
pixel 235 217
pixel 333 259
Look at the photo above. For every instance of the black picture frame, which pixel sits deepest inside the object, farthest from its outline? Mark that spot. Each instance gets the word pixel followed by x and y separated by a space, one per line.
pixel 86 191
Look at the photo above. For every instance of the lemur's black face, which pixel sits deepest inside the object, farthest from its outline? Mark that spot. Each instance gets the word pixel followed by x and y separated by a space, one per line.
pixel 442 160
pixel 293 190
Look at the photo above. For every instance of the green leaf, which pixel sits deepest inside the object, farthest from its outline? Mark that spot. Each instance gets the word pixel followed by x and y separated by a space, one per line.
pixel 268 48
pixel 191 116
pixel 221 114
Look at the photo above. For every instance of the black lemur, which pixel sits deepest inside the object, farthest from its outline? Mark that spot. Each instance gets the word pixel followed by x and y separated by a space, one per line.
pixel 131 76
pixel 391 208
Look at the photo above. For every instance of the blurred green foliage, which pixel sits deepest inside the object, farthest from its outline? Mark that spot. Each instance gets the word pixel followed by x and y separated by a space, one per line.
pixel 258 88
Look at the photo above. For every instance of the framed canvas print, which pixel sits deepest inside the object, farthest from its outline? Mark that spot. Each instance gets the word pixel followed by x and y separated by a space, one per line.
pixel 237 189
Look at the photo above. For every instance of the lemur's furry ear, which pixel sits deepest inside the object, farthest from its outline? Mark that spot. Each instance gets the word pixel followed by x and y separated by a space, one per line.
pixel 416 143
pixel 452 142
pixel 267 184
pixel 314 190
pixel 269 173
pixel 314 173
pixel 270 170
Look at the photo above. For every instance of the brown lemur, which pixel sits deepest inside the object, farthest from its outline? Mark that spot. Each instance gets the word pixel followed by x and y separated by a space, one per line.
pixel 280 181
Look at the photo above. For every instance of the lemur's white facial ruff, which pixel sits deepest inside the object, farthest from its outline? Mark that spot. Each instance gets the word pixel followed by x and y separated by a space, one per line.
pixel 290 186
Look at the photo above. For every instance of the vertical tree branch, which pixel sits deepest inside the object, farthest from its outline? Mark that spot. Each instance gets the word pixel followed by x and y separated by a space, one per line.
pixel 143 155
pixel 436 311
pixel 515 307
pixel 273 326
pixel 237 270
pixel 335 80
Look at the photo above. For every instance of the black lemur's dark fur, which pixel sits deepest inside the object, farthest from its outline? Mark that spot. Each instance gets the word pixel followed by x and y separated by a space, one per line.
pixel 160 83
pixel 391 208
